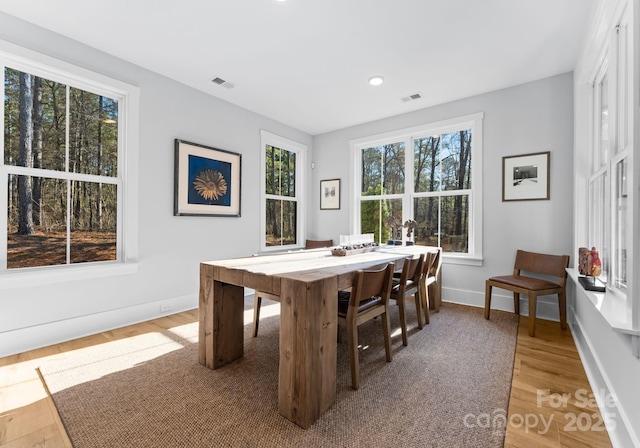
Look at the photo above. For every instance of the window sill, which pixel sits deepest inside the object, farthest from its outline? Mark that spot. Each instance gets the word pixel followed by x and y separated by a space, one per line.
pixel 611 306
pixel 461 260
pixel 58 274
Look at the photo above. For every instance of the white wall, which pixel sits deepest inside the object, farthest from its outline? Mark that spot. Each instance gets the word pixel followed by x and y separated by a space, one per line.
pixel 533 117
pixel 170 248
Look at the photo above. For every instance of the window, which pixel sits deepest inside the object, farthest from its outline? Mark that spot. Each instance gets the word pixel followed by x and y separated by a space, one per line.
pixel 282 217
pixel 608 207
pixel 382 191
pixel 64 165
pixel 442 185
pixel 423 174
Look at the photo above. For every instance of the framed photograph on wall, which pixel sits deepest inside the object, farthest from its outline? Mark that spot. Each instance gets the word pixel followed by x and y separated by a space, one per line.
pixel 207 181
pixel 330 194
pixel 526 177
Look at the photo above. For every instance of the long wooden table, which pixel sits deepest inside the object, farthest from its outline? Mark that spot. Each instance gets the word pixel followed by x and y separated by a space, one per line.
pixel 307 283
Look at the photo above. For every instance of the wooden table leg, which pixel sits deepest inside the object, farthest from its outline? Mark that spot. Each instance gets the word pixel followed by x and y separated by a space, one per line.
pixel 221 312
pixel 308 349
pixel 435 294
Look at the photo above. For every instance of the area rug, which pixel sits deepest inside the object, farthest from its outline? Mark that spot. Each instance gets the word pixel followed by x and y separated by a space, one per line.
pixel 448 388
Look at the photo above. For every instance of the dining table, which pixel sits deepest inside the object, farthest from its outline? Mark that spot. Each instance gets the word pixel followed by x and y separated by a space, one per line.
pixel 307 284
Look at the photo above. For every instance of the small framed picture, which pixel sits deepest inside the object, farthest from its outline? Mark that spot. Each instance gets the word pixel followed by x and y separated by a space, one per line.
pixel 525 177
pixel 207 181
pixel 330 194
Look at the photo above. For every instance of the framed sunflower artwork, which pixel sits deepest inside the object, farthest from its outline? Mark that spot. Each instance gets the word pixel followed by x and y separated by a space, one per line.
pixel 207 181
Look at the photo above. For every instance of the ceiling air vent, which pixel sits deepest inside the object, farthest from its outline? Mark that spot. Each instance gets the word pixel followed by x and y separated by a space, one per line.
pixel 415 96
pixel 223 83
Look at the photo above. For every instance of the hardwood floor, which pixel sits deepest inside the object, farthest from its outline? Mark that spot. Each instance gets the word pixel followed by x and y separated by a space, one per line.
pixel 551 402
pixel 546 367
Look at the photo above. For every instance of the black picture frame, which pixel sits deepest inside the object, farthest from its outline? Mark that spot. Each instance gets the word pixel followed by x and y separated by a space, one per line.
pixel 207 180
pixel 526 177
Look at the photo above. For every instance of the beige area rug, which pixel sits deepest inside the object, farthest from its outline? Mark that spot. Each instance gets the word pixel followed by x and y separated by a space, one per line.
pixel 448 388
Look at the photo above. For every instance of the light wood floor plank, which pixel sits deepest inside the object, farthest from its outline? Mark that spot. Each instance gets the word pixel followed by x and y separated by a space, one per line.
pixel 550 385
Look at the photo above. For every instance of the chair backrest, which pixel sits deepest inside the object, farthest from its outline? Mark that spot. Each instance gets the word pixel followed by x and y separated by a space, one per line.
pixel 428 257
pixel 433 263
pixel 412 269
pixel 372 283
pixel 316 244
pixel 545 264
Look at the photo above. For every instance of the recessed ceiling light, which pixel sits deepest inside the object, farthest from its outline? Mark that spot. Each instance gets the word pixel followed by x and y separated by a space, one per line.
pixel 376 80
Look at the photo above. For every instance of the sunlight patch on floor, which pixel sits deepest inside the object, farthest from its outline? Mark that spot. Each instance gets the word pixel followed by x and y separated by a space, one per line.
pixel 113 357
pixel 20 395
pixel 188 332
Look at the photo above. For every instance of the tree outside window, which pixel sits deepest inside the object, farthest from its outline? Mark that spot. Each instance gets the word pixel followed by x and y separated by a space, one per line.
pixel 61 154
pixel 423 174
pixel 281 200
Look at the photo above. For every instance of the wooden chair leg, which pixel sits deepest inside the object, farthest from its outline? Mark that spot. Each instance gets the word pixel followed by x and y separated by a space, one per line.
pixel 386 329
pixel 516 302
pixel 352 336
pixel 487 299
pixel 424 293
pixel 403 321
pixel 257 301
pixel 532 314
pixel 562 303
pixel 419 309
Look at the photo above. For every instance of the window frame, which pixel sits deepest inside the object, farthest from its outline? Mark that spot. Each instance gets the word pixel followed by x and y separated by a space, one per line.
pixel 474 122
pixel 614 65
pixel 128 97
pixel 300 149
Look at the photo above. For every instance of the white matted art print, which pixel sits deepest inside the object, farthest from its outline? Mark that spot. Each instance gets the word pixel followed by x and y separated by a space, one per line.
pixel 526 177
pixel 207 180
pixel 330 194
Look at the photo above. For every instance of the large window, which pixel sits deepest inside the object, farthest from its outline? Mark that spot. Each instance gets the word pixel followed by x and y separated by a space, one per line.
pixel 608 206
pixel 282 217
pixel 63 167
pixel 423 174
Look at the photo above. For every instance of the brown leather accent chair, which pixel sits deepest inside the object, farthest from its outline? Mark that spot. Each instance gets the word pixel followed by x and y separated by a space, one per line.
pixel 547 265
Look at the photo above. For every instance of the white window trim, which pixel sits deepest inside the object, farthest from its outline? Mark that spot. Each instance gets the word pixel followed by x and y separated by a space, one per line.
pixel 619 308
pixel 471 121
pixel 267 138
pixel 128 97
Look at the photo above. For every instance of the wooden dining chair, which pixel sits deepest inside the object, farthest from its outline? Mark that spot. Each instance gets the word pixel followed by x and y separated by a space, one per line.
pixel 368 298
pixel 408 284
pixel 317 244
pixel 429 277
pixel 547 265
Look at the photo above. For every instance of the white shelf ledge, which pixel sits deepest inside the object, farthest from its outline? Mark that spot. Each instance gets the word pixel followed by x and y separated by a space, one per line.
pixel 612 307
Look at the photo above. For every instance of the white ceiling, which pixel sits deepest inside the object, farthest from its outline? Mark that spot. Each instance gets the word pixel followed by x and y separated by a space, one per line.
pixel 306 63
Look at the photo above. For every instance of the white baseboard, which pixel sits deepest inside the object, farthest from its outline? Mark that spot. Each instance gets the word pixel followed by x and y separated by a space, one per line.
pixel 30 338
pixel 620 431
pixel 547 310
